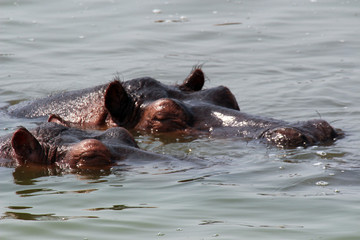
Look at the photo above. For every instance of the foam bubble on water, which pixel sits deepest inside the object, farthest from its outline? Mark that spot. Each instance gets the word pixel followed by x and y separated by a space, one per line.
pixel 322 183
pixel 156 11
pixel 317 164
pixel 321 153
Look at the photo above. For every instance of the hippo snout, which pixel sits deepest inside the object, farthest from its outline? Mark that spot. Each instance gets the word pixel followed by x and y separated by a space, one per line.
pixel 301 134
pixel 323 131
pixel 287 137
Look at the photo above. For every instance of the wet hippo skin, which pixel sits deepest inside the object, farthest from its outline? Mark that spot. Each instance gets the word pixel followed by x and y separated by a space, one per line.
pixel 119 103
pixel 145 104
pixel 166 115
pixel 214 111
pixel 51 144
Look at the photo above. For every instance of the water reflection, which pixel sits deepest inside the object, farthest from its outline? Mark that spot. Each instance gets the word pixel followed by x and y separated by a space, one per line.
pixel 29 175
pixel 39 217
pixel 18 207
pixel 45 191
pixel 117 207
pixel 210 222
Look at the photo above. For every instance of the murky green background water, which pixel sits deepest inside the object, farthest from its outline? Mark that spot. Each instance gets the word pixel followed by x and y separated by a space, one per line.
pixel 293 60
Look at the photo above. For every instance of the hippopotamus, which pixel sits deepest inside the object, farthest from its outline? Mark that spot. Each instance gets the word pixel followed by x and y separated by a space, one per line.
pixel 146 105
pixel 52 144
pixel 119 103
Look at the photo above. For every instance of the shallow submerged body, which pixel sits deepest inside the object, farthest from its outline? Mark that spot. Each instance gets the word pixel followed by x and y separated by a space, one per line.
pixel 85 107
pixel 51 144
pixel 215 112
pixel 118 103
pixel 232 123
pixel 145 104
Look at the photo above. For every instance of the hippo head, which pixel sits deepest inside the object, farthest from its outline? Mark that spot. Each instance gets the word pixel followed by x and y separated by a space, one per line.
pixel 53 144
pixel 146 104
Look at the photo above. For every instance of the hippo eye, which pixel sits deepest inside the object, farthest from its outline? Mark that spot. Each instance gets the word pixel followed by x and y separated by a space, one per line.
pixel 161 116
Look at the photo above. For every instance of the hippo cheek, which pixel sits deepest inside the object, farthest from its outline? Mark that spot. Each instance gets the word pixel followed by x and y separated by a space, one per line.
pixel 165 115
pixel 90 153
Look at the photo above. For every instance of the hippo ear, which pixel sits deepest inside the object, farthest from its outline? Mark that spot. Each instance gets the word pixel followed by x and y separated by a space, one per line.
pixel 26 148
pixel 57 119
pixel 194 82
pixel 119 104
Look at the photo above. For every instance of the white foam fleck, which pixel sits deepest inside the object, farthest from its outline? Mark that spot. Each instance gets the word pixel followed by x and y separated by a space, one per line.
pixel 322 183
pixel 156 11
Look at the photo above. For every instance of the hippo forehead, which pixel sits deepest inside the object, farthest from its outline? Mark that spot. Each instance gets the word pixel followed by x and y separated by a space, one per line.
pixel 61 137
pixel 49 132
pixel 149 89
pixel 56 134
pixel 146 90
pixel 116 135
